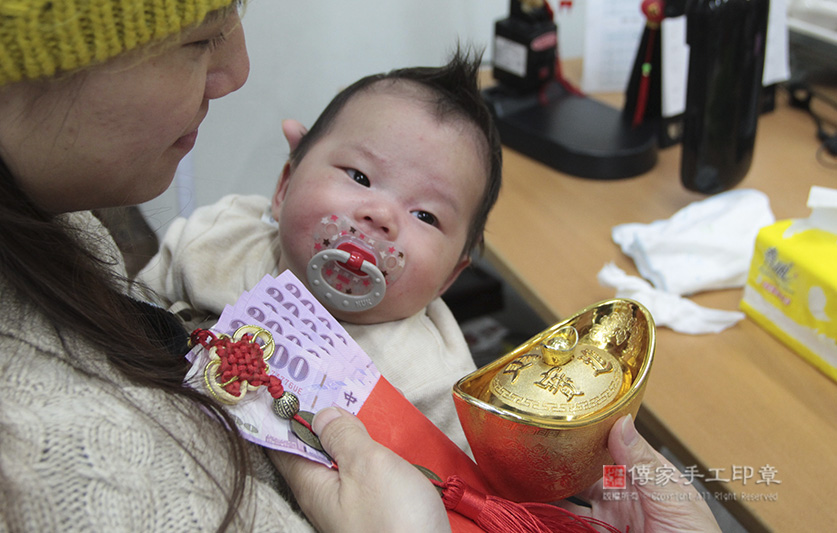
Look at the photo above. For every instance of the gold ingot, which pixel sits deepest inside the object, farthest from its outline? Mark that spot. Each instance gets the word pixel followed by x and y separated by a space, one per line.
pixel 538 418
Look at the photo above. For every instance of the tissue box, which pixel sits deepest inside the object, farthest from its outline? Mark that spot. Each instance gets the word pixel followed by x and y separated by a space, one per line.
pixel 791 289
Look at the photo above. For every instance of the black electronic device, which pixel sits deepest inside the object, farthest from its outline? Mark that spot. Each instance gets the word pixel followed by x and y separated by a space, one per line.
pixel 525 46
pixel 541 116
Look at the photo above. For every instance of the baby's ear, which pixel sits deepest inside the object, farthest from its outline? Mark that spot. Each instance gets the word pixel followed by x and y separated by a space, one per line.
pixel 281 189
pixel 293 131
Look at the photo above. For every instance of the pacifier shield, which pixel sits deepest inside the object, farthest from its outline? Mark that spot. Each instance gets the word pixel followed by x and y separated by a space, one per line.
pixel 350 270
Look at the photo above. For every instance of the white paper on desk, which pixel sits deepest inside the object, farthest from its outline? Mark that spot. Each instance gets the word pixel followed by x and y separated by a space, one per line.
pixel 674 56
pixel 612 31
pixel 776 62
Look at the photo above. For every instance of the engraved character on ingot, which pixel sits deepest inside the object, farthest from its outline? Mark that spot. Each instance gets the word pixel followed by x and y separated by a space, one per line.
pixel 593 359
pixel 555 381
pixel 515 367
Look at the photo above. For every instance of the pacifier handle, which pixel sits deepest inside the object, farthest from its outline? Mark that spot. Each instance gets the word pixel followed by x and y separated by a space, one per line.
pixel 345 302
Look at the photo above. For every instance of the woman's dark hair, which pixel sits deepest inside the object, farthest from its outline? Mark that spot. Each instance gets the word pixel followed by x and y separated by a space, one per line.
pixel 47 263
pixel 453 93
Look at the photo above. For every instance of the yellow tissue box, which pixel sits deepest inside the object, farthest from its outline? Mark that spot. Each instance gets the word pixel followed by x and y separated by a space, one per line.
pixel 791 290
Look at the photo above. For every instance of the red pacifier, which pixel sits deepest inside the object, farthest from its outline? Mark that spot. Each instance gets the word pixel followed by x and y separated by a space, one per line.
pixel 351 270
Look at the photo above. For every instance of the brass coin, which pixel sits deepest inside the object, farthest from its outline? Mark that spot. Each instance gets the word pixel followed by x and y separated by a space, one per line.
pixel 306 435
pixel 431 475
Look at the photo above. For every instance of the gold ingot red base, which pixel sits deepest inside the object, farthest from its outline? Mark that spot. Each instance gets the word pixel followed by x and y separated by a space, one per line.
pixel 538 418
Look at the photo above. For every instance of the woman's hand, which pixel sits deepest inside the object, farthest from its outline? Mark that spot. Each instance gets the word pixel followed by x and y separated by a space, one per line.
pixel 373 490
pixel 652 508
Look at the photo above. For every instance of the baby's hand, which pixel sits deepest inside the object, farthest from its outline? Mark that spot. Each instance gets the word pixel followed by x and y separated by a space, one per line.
pixel 294 131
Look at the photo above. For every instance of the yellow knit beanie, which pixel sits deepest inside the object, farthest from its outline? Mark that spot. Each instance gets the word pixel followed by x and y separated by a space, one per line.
pixel 39 38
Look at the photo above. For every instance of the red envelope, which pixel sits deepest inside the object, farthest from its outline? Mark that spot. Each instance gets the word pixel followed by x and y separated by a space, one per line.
pixel 396 423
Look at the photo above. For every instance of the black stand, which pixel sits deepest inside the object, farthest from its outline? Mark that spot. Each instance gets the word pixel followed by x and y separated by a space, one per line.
pixel 572 134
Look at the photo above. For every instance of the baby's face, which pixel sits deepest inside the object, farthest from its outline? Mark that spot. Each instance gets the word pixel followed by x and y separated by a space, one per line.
pixel 399 175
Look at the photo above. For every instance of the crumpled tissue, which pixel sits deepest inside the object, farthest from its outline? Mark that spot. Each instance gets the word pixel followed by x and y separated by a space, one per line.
pixel 707 245
pixel 670 310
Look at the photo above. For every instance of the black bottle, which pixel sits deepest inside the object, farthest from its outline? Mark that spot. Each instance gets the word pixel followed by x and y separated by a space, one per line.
pixel 726 41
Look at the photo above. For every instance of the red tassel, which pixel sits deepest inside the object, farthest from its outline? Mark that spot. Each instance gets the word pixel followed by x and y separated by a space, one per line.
pixel 497 515
pixel 654 11
pixel 645 81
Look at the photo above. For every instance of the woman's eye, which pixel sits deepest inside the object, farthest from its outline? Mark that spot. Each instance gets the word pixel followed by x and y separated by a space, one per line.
pixel 425 217
pixel 210 44
pixel 358 176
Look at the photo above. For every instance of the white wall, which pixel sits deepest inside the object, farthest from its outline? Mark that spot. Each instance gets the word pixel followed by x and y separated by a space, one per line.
pixel 302 52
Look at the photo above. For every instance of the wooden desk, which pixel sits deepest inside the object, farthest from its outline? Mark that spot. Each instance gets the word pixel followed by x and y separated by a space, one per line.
pixel 735 400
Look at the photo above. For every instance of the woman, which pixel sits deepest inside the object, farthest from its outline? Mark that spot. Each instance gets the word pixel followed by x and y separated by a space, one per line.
pixel 99 101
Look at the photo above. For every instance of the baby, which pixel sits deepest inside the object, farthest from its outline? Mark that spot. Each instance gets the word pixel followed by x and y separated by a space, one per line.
pixel 377 211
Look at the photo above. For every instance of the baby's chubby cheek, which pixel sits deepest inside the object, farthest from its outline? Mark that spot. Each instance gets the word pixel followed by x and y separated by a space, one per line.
pixel 293 257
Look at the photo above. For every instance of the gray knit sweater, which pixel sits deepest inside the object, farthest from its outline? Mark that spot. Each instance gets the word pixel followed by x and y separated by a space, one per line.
pixel 82 449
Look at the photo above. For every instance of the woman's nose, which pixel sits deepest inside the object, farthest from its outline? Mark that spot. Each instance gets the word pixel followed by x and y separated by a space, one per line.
pixel 229 66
